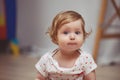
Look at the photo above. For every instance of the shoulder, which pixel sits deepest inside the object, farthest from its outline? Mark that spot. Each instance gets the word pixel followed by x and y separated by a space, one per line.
pixel 85 56
pixel 44 59
pixel 88 62
pixel 42 63
pixel 47 56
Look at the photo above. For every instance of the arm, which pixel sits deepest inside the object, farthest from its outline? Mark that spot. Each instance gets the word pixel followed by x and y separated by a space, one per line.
pixel 39 77
pixel 90 76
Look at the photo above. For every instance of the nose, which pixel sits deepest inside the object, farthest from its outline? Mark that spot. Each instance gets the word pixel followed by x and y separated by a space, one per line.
pixel 72 36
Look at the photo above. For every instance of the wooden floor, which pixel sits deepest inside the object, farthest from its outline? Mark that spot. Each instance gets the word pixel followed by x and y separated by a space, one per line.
pixel 22 68
pixel 17 68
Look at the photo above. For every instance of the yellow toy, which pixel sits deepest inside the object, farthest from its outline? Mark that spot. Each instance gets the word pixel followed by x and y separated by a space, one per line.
pixel 14 47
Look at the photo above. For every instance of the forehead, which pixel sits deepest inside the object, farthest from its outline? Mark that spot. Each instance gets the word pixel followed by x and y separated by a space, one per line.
pixel 73 25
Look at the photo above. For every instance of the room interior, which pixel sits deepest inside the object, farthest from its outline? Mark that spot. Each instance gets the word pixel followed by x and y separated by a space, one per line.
pixel 22 45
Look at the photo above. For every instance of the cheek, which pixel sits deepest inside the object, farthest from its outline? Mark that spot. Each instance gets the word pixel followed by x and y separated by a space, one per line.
pixel 61 39
pixel 80 39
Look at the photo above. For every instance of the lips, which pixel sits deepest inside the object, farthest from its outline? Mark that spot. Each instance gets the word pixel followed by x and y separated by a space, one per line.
pixel 72 43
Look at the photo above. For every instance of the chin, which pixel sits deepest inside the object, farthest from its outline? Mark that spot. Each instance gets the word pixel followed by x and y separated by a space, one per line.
pixel 73 49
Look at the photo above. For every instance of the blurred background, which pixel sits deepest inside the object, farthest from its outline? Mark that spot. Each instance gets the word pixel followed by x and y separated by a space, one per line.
pixel 23 24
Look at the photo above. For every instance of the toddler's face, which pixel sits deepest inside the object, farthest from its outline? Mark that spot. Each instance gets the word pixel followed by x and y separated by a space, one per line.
pixel 70 36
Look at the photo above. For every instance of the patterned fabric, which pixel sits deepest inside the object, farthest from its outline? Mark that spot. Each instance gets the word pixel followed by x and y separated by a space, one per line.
pixel 50 69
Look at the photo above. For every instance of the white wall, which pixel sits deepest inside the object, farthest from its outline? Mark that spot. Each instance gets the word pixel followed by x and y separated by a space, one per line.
pixel 35 16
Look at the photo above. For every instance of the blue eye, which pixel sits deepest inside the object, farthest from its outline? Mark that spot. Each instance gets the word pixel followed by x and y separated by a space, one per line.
pixel 65 32
pixel 77 32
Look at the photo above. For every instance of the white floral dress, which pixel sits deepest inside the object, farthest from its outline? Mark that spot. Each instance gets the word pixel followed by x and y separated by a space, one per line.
pixel 51 70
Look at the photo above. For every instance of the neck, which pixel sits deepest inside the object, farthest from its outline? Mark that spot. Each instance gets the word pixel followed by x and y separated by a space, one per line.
pixel 68 54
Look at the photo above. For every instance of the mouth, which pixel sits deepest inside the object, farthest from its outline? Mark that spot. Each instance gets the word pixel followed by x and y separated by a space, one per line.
pixel 72 43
